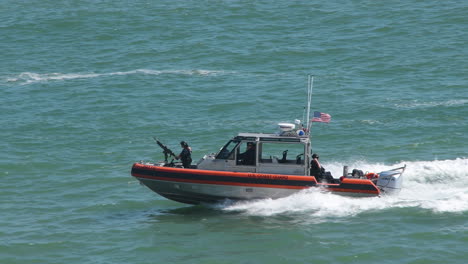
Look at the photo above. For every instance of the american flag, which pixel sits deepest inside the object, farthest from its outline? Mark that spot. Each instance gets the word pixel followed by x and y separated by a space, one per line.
pixel 321 117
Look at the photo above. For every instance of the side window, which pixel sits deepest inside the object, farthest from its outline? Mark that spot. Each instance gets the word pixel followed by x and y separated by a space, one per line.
pixel 227 151
pixel 287 153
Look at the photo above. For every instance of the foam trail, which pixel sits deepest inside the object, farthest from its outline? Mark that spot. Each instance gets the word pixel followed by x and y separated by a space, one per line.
pixel 438 186
pixel 30 77
pixel 417 104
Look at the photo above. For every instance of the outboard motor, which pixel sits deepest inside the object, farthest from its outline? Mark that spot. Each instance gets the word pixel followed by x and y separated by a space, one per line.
pixel 391 181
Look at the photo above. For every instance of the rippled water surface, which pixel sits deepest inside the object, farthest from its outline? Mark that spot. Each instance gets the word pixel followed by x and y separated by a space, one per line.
pixel 86 85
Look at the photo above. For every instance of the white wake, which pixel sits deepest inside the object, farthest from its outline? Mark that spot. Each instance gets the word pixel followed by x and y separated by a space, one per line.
pixel 439 186
pixel 31 77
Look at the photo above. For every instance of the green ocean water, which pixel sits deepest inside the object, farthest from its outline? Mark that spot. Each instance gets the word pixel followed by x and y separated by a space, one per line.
pixel 87 84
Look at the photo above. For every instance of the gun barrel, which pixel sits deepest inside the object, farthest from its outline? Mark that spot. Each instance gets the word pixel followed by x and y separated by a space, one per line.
pixel 166 149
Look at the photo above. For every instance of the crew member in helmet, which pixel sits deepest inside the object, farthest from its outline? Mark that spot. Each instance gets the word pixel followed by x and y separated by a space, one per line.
pixel 186 155
pixel 316 169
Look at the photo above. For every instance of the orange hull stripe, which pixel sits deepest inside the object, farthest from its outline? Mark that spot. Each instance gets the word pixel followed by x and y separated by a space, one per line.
pixel 222 173
pixel 222 183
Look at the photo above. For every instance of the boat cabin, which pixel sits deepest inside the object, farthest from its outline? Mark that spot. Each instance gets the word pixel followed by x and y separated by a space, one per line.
pixel 286 153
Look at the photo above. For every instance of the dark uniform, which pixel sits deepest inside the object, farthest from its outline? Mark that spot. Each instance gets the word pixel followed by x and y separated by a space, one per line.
pixel 316 169
pixel 186 158
pixel 248 157
pixel 186 155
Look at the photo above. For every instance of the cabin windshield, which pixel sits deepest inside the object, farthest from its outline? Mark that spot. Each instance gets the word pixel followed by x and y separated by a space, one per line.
pixel 227 152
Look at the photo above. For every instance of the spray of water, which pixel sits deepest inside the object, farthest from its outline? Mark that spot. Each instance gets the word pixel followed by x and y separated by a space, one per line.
pixel 439 186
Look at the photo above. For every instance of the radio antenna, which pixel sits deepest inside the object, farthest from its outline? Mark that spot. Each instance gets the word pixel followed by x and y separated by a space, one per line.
pixel 309 101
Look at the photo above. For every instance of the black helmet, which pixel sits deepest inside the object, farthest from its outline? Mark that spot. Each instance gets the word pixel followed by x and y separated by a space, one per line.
pixel 184 144
pixel 315 156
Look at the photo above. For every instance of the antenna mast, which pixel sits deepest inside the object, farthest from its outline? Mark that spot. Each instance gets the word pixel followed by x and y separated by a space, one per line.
pixel 309 101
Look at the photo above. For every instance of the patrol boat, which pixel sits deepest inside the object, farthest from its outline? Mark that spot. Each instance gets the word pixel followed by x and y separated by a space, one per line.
pixel 279 165
pixel 226 175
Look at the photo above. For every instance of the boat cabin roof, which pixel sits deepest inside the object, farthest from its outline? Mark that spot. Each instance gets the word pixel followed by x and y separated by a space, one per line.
pixel 260 137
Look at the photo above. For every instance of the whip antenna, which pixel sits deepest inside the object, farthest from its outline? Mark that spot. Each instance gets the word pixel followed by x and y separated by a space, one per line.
pixel 309 100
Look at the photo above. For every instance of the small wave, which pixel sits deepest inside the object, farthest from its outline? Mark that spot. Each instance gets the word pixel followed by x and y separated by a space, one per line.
pixel 31 77
pixel 438 186
pixel 370 122
pixel 417 104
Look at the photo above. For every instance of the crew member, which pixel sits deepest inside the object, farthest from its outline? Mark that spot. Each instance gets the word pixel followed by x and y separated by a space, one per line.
pixel 186 155
pixel 316 169
pixel 248 157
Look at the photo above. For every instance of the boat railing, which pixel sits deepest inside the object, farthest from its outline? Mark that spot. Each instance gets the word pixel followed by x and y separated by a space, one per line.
pixel 397 169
